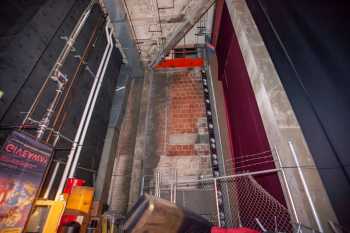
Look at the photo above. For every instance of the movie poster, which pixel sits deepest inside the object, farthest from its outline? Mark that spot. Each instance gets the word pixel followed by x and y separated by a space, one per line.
pixel 23 163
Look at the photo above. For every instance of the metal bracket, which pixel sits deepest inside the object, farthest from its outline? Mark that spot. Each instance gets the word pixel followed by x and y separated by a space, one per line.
pixel 73 49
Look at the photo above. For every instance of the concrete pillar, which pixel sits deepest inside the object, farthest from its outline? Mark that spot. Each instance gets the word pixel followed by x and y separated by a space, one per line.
pixel 105 169
pixel 123 163
pixel 123 33
pixel 279 119
pixel 137 166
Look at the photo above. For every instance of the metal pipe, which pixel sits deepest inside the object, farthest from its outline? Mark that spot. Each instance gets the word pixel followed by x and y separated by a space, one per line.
pixel 53 175
pixel 63 55
pixel 260 225
pixel 217 202
pixel 180 32
pixel 289 193
pixel 306 188
pixel 142 185
pixel 58 163
pixel 98 88
pixel 171 191
pixel 83 119
pixel 157 188
pixel 44 123
pixel 72 80
pixel 243 174
pixel 175 186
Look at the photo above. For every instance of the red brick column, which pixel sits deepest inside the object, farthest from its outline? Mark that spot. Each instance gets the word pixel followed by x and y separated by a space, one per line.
pixel 186 127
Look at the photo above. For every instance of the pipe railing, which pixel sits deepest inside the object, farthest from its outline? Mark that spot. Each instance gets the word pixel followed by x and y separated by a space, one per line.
pixel 73 156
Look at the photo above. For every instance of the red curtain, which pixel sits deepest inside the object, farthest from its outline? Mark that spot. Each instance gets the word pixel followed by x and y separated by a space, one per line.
pixel 246 128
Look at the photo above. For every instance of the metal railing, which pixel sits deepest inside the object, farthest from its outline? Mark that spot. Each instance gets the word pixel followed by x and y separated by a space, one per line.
pixel 238 200
pixel 245 200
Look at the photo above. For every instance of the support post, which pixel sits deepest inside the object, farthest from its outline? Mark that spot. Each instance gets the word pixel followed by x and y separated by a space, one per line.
pixel 306 188
pixel 216 202
pixel 291 201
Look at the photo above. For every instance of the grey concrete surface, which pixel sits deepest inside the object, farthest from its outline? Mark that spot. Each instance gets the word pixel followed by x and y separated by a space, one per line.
pixel 104 174
pixel 123 163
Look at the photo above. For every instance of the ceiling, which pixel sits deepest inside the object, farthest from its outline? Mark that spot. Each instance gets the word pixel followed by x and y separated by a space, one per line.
pixel 153 22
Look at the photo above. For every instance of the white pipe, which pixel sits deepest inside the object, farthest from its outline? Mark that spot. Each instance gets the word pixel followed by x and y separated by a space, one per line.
pixel 306 188
pixel 83 119
pixel 217 202
pixel 91 109
pixel 63 55
pixel 289 193
pixel 53 175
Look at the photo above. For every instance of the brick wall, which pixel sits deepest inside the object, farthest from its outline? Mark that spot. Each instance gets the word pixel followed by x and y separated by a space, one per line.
pixel 176 134
pixel 187 128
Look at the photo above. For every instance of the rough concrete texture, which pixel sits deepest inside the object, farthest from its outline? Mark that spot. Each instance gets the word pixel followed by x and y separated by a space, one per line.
pixel 136 177
pixel 278 117
pixel 121 177
pixel 105 169
pixel 155 22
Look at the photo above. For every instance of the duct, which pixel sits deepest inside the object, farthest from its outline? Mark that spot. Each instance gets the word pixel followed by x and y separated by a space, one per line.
pixel 73 156
pixel 123 34
pixel 193 14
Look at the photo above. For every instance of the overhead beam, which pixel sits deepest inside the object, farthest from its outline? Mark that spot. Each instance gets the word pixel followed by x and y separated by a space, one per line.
pixel 123 33
pixel 194 11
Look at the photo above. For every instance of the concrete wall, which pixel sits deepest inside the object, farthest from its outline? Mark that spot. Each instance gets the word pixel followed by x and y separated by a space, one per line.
pixel 164 129
pixel 125 147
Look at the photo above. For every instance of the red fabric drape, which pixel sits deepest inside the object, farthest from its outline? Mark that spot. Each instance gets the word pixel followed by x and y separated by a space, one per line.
pixel 246 127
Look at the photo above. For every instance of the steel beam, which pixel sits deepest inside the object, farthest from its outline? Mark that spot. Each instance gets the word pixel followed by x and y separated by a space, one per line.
pixel 123 34
pixel 194 11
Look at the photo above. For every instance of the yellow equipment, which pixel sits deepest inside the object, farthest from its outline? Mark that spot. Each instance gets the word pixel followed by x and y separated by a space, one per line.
pixel 80 199
pixel 46 216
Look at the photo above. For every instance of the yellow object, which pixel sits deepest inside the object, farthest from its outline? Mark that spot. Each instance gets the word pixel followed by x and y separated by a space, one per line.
pixel 52 221
pixel 104 224
pixel 80 199
pixel 12 230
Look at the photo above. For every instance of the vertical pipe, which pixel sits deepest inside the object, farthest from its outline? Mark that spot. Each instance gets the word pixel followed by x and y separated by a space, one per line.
pixel 54 174
pixel 62 57
pixel 217 202
pixel 142 185
pixel 290 197
pixel 96 93
pixel 44 123
pixel 171 191
pixel 306 188
pixel 83 119
pixel 175 186
pixel 157 185
pixel 159 181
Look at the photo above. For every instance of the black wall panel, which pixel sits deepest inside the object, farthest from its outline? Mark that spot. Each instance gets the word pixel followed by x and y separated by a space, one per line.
pixel 28 52
pixel 309 45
